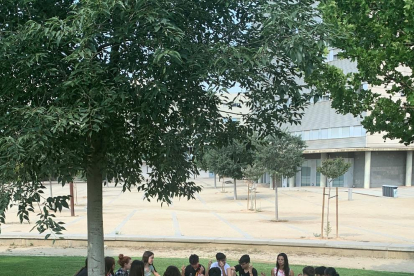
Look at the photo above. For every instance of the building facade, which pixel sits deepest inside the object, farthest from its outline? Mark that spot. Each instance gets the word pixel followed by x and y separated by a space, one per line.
pixel 375 161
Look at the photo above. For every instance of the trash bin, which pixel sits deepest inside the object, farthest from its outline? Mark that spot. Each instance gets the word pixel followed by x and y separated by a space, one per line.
pixel 389 190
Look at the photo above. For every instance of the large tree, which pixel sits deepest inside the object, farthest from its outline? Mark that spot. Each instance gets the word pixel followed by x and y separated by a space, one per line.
pixel 379 35
pixel 98 87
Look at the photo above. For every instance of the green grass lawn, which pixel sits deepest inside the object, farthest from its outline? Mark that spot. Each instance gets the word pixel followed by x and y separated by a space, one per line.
pixel 68 266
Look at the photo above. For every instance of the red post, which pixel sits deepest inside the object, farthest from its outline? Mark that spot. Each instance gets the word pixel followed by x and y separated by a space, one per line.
pixel 72 202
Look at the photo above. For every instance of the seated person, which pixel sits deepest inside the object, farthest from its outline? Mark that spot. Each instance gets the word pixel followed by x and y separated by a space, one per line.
pixel 243 268
pixel 214 271
pixel 308 271
pixel 84 270
pixel 194 268
pixel 221 264
pixel 330 271
pixel 320 271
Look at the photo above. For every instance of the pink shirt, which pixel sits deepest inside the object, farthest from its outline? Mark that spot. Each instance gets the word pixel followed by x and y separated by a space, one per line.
pixel 279 272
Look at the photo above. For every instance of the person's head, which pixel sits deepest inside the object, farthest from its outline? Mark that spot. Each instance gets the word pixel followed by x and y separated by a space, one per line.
pixel 220 257
pixel 148 257
pixel 194 261
pixel 330 271
pixel 172 271
pixel 320 271
pixel 282 263
pixel 214 271
pixel 308 271
pixel 109 265
pixel 137 268
pixel 244 261
pixel 124 261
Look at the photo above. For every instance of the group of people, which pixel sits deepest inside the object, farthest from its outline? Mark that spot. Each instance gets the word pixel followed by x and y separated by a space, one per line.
pixel 145 267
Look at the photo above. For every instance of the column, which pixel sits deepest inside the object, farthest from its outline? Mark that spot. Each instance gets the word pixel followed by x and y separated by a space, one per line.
pixel 367 170
pixel 292 182
pixel 324 156
pixel 409 168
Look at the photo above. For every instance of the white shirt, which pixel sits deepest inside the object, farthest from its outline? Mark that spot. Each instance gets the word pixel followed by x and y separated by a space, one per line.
pixel 215 264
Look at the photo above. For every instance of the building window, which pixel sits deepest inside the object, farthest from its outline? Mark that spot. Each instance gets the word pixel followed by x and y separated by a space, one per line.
pixel 314 134
pixel 345 132
pixel 323 133
pixel 358 131
pixel 336 132
pixel 298 133
pixel 325 98
pixel 338 182
pixel 305 176
pixel 236 105
pixel 306 135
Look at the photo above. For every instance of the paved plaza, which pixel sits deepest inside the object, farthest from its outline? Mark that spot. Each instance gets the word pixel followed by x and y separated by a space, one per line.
pixel 214 214
pixel 369 220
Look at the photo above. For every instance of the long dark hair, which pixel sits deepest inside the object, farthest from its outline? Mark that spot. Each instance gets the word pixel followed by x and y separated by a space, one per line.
pixel 172 271
pixel 146 256
pixel 85 267
pixel 137 268
pixel 330 271
pixel 109 265
pixel 286 268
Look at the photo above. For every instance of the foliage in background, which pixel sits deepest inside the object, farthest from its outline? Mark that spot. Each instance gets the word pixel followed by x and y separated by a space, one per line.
pixel 379 36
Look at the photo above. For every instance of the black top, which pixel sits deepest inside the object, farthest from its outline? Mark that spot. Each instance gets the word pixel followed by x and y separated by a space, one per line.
pixel 241 272
pixel 83 272
pixel 190 271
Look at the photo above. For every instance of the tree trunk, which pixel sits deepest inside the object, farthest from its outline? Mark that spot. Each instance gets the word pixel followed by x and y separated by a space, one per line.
pixel 235 190
pixel 276 201
pixel 327 211
pixel 215 184
pixel 96 263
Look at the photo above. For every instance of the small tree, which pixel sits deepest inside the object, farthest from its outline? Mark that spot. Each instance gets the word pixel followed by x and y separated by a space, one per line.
pixel 253 172
pixel 332 168
pixel 229 161
pixel 281 156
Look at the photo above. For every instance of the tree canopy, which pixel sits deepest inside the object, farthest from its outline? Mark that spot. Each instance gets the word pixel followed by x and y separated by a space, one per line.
pixel 379 35
pixel 281 155
pixel 99 87
pixel 229 161
pixel 333 168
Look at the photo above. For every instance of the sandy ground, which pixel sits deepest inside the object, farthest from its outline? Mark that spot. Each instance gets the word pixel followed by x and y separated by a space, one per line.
pixel 368 218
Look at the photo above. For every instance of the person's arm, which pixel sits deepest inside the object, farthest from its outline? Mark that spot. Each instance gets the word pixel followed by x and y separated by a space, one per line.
pixel 208 267
pixel 155 273
pixel 251 271
pixel 202 270
pixel 272 272
pixel 230 271
pixel 222 266
pixel 291 273
pixel 183 270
